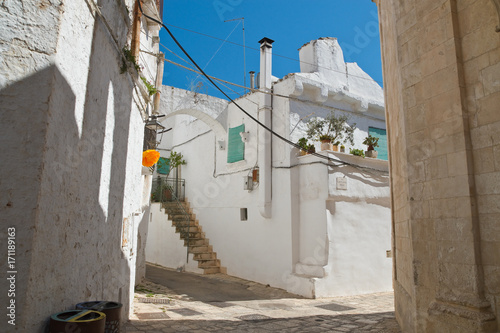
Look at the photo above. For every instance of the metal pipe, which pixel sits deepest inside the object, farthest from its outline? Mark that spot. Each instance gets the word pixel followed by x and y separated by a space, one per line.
pixel 252 80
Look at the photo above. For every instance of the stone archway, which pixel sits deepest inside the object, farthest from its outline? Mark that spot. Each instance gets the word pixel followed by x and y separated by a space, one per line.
pixel 216 126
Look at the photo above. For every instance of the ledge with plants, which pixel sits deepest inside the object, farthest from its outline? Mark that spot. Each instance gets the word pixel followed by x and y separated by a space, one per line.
pixel 331 131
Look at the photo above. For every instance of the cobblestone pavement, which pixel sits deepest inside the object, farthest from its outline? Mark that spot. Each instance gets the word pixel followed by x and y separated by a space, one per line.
pixel 235 305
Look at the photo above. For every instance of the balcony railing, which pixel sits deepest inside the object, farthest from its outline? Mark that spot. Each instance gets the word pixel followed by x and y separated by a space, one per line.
pixel 167 189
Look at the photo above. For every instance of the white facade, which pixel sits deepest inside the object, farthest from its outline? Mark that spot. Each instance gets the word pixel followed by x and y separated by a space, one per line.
pixel 72 128
pixel 301 234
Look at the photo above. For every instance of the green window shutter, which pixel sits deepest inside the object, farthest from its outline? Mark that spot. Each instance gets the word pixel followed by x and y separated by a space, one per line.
pixel 381 134
pixel 163 166
pixel 236 147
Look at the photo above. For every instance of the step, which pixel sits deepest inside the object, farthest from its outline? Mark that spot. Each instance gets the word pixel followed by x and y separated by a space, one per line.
pixel 197 234
pixel 200 249
pixel 205 256
pixel 181 217
pixel 211 270
pixel 208 263
pixel 196 241
pixel 183 229
pixel 186 222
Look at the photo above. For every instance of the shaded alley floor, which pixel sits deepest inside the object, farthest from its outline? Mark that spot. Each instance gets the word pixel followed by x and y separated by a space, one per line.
pixel 170 301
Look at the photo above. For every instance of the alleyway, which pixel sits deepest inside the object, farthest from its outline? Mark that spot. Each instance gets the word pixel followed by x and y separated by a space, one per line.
pixel 170 301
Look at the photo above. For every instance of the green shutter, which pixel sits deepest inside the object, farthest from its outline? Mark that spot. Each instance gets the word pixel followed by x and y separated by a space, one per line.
pixel 163 166
pixel 381 134
pixel 236 147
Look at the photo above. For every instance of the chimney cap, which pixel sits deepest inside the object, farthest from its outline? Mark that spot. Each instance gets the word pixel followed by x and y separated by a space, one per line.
pixel 266 40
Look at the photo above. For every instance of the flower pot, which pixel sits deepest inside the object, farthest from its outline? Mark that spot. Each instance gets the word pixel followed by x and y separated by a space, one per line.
pixel 325 145
pixel 335 147
pixel 302 152
pixel 342 149
pixel 371 153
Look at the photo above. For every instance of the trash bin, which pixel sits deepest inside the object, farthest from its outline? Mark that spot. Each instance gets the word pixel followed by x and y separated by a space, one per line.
pixel 111 309
pixel 82 321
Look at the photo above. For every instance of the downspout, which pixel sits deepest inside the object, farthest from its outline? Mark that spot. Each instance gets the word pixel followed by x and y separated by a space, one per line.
pixel 265 143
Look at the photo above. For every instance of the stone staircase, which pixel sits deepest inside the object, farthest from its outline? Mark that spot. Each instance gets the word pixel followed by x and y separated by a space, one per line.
pixel 199 245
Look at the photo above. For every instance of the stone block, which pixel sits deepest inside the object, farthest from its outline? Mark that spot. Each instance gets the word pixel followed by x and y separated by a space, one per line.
pixel 453 229
pixel 406 21
pixel 442 208
pixel 489 204
pixel 463 207
pixel 490 77
pixel 492 279
pixel 496 157
pixel 478 42
pixel 489 111
pixel 484 160
pixel 488 183
pixel 452 251
pixel 434 60
pixel 489 227
pixel 457 163
pixel 490 253
pixel 439 167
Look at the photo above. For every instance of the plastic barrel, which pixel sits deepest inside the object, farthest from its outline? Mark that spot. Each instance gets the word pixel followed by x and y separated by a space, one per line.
pixel 111 309
pixel 82 321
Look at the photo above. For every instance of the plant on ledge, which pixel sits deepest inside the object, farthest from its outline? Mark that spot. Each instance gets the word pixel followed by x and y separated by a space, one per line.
pixel 357 152
pixel 151 88
pixel 334 128
pixel 371 142
pixel 305 147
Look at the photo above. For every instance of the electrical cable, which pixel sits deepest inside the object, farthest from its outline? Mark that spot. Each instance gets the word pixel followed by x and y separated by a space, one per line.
pixel 230 99
pixel 275 54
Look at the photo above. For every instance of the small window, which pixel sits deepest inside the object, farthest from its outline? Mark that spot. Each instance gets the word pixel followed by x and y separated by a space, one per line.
pixel 243 214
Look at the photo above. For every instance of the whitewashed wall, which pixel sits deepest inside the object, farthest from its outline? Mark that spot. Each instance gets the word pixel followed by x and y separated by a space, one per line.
pixel 164 246
pixel 71 132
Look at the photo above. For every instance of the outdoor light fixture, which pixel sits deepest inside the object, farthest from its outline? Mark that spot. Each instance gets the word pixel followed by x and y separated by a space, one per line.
pixel 152 128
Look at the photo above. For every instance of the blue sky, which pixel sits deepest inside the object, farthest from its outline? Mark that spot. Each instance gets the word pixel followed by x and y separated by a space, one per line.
pixel 289 23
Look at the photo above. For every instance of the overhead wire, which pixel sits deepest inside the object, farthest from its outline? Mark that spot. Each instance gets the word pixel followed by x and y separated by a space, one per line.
pixel 227 96
pixel 274 54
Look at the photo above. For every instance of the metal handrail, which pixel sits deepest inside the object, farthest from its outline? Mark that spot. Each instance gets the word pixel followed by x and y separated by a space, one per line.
pixel 179 205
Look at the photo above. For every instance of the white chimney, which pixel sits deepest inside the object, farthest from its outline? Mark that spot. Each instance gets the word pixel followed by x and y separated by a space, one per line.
pixel 265 137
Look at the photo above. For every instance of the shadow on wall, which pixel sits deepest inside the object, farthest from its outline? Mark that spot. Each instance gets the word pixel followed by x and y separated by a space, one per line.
pixel 67 212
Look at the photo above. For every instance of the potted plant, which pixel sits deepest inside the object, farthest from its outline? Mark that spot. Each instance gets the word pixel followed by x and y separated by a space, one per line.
pixel 302 143
pixel 311 149
pixel 371 142
pixel 342 149
pixel 326 141
pixel 335 128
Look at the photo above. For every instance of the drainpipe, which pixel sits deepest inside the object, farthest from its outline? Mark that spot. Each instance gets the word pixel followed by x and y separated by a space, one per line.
pixel 265 143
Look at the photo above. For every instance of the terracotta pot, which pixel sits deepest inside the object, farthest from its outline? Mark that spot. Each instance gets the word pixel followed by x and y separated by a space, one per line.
pixel 335 148
pixel 325 145
pixel 302 152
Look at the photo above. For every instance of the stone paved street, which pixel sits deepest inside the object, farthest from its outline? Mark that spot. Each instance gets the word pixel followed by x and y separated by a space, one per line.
pixel 170 301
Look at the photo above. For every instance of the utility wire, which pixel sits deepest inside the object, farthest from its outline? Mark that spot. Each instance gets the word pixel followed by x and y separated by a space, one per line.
pixel 274 54
pixel 224 93
pixel 257 90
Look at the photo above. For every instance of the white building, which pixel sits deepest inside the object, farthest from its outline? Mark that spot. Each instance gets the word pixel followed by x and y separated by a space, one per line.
pixel 307 225
pixel 72 117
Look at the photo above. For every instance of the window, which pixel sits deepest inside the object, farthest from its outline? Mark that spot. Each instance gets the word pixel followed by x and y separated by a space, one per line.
pixel 236 147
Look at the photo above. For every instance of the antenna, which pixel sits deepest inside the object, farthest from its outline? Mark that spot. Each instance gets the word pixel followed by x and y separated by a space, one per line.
pixel 244 47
